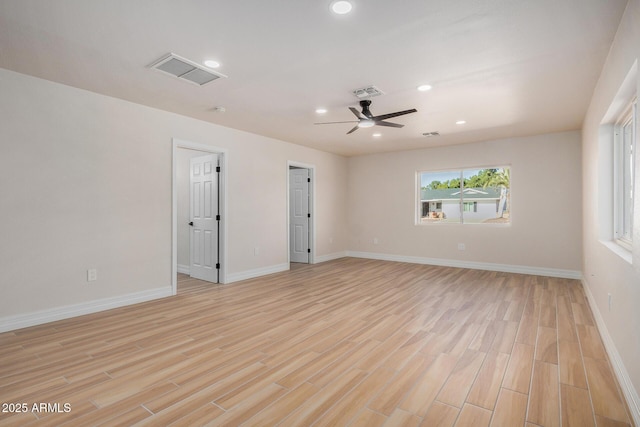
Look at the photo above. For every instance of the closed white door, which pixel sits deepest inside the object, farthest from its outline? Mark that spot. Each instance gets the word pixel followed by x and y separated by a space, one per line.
pixel 203 212
pixel 299 215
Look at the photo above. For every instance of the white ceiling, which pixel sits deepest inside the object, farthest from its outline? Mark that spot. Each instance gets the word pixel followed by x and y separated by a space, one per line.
pixel 507 67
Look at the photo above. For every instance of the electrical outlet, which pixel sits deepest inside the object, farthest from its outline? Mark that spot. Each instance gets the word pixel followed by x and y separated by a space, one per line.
pixel 92 275
pixel 375 240
pixel 461 246
pixel 256 251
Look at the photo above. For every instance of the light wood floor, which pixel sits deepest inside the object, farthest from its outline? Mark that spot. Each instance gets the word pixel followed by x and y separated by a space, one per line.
pixel 345 343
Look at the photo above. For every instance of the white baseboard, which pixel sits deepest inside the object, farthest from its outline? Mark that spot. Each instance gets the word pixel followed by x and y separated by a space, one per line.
pixel 329 257
pixel 184 269
pixel 507 268
pixel 251 274
pixel 630 393
pixel 10 323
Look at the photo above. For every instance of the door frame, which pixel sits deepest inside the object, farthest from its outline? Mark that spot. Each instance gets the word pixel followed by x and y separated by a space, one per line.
pixel 222 236
pixel 312 209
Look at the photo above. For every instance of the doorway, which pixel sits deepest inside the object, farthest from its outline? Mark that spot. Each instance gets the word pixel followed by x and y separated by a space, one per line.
pixel 198 213
pixel 301 219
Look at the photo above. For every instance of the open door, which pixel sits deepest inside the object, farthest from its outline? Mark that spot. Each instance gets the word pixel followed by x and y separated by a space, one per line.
pixel 204 217
pixel 299 215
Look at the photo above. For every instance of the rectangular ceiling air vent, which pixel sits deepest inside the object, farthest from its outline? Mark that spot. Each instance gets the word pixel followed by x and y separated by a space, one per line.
pixel 367 92
pixel 186 70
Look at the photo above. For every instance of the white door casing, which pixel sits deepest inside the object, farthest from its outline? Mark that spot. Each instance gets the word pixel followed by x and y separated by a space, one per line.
pixel 203 209
pixel 299 215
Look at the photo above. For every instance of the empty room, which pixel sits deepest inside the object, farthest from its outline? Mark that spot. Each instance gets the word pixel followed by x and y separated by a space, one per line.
pixel 327 212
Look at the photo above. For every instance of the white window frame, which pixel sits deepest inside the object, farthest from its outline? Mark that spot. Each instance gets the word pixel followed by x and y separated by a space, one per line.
pixel 625 158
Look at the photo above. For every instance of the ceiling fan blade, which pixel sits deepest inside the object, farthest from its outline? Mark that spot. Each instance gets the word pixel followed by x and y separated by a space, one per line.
pixel 355 128
pixel 391 125
pixel 396 114
pixel 333 123
pixel 357 113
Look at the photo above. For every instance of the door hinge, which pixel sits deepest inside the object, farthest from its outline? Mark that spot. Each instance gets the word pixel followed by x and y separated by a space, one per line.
pixel 308 215
pixel 308 251
pixel 218 266
pixel 217 168
pixel 217 217
pixel 308 179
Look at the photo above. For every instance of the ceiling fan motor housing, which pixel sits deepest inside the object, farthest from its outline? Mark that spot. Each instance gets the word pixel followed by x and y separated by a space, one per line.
pixel 365 107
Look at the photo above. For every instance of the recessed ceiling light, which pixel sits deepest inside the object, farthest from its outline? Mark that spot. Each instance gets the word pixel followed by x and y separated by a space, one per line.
pixel 461 122
pixel 377 135
pixel 341 7
pixel 424 88
pixel 321 110
pixel 211 63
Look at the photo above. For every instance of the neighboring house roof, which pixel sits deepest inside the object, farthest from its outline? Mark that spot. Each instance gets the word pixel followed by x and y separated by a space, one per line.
pixel 454 194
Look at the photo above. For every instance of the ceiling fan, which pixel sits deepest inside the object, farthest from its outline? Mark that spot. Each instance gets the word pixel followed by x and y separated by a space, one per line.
pixel 366 119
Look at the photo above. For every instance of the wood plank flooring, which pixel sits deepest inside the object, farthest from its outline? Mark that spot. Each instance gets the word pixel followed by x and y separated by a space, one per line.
pixel 349 342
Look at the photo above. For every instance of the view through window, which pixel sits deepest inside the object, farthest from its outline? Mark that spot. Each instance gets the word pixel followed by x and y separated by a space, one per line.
pixel 468 196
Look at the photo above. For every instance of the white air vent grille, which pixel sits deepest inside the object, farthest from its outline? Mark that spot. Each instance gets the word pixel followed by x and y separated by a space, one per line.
pixel 186 70
pixel 367 92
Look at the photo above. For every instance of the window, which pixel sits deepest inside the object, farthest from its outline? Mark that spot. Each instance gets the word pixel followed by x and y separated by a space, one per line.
pixel 470 206
pixel 469 196
pixel 624 175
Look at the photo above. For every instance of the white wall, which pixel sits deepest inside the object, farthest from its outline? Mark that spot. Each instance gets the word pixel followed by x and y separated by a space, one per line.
pixel 545 232
pixel 604 270
pixel 85 182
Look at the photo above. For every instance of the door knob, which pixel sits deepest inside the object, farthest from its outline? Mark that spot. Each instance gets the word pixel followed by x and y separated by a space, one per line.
pixel 191 223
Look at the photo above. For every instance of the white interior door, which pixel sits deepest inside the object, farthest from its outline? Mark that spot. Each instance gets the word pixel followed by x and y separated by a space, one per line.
pixel 203 213
pixel 299 215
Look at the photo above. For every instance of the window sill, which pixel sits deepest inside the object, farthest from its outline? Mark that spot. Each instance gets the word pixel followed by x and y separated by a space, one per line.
pixel 622 252
pixel 466 224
